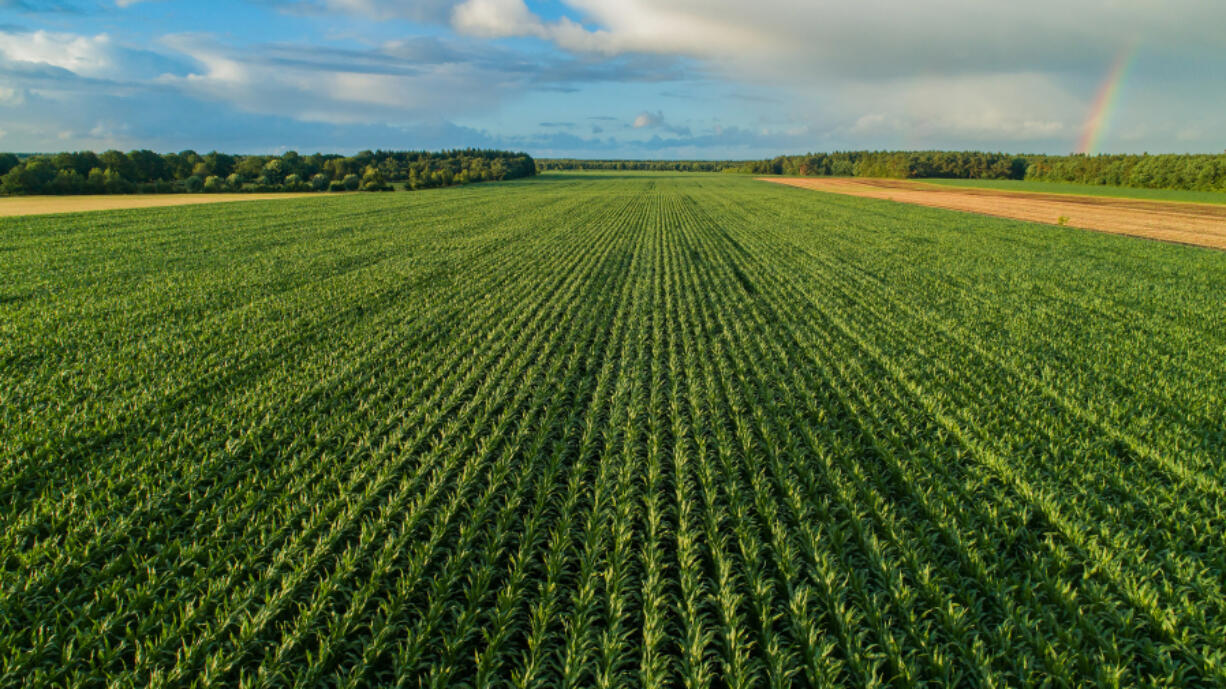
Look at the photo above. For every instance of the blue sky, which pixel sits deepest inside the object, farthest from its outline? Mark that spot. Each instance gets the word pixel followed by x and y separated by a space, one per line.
pixel 609 78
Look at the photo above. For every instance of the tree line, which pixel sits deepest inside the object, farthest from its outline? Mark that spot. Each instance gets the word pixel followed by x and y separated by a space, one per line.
pixel 549 164
pixel 147 172
pixel 898 164
pixel 143 171
pixel 1199 172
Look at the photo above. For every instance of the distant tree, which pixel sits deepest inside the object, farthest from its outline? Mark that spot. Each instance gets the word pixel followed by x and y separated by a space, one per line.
pixel 193 184
pixel 114 183
pixel 274 171
pixel 372 179
pixel 66 182
pixel 80 162
pixel 8 161
pixel 319 181
pixel 147 166
pixel 250 167
pixel 185 163
pixel 352 182
pixel 120 164
pixel 291 163
pixel 95 182
pixel 214 184
pixel 336 168
pixel 313 164
pixel 31 177
pixel 219 163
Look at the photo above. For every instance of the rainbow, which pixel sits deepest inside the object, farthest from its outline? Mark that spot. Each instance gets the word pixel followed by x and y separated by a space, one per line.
pixel 1104 103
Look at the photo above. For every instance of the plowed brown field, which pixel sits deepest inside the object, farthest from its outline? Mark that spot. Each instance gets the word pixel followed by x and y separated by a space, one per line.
pixel 1185 223
pixel 43 205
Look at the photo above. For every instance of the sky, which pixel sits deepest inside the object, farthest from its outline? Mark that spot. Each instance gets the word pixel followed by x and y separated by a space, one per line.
pixel 689 79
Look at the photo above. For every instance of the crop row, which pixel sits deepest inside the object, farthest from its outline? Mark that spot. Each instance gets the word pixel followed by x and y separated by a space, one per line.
pixel 656 430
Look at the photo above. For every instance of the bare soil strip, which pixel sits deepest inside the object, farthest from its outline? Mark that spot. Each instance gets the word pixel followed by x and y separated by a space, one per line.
pixel 43 205
pixel 1184 223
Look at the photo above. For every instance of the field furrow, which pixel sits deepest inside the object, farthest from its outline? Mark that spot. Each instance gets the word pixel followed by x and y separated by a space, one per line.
pixel 658 430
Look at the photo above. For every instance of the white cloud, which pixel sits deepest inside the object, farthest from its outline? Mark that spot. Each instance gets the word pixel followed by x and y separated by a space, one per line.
pixel 497 19
pixel 631 26
pixel 989 108
pixel 655 120
pixel 932 71
pixel 873 122
pixel 371 87
pixel 846 37
pixel 11 96
pixel 824 73
pixel 1192 133
pixel 415 10
pixel 648 119
pixel 91 56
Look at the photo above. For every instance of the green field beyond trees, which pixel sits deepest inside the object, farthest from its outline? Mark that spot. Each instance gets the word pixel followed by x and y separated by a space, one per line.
pixel 615 430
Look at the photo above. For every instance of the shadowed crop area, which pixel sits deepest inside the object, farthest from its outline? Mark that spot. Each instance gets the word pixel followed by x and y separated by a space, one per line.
pixel 607 430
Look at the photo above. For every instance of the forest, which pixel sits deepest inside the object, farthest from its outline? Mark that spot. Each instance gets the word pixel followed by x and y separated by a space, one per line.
pixel 143 171
pixel 550 164
pixel 147 172
pixel 1198 172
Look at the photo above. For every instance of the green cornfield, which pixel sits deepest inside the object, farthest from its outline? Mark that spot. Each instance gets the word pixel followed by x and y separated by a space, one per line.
pixel 607 430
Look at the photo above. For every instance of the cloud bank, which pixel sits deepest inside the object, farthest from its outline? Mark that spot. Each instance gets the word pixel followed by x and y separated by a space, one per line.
pixel 709 78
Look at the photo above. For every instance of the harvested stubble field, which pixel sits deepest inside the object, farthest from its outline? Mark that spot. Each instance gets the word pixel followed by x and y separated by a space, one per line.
pixel 1200 224
pixel 46 205
pixel 639 430
pixel 1064 189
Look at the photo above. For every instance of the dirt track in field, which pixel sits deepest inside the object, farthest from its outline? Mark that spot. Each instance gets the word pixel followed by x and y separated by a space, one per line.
pixel 1184 223
pixel 44 205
